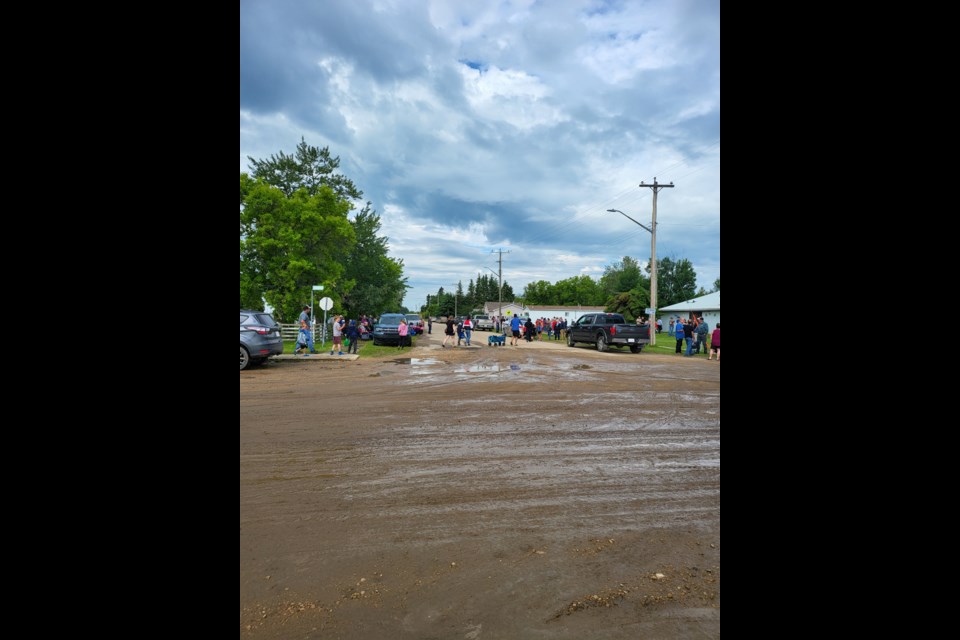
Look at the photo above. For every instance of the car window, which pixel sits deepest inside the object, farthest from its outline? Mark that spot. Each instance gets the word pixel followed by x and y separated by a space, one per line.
pixel 243 318
pixel 585 320
pixel 265 319
pixel 390 318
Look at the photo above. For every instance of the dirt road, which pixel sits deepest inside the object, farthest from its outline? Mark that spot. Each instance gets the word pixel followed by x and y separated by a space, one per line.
pixel 538 491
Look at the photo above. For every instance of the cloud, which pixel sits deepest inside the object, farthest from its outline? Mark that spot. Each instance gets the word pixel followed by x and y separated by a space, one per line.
pixel 516 125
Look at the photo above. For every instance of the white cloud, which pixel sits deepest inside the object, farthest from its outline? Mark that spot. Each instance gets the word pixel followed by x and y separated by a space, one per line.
pixel 574 104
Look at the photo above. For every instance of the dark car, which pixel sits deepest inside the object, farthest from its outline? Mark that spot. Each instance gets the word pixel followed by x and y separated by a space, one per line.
pixel 259 337
pixel 416 324
pixel 386 331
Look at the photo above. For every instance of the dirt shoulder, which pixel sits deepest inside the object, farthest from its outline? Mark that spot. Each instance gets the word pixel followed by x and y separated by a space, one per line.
pixel 538 491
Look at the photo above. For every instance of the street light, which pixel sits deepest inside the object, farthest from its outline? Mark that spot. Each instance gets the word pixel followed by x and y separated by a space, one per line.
pixel 653 260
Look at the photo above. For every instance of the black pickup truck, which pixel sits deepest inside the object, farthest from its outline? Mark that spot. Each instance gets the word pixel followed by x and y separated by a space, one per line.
pixel 608 329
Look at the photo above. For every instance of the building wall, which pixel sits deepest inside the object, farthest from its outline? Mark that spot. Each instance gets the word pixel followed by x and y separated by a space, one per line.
pixel 507 306
pixel 567 314
pixel 712 317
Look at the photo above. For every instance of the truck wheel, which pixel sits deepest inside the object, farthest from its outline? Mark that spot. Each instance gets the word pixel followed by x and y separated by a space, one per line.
pixel 634 348
pixel 601 342
pixel 570 341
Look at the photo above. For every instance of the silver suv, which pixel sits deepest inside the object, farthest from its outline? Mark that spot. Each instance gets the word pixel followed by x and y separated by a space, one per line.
pixel 259 337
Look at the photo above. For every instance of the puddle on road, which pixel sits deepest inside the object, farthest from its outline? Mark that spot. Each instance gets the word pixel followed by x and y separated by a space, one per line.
pixel 581 366
pixel 487 368
pixel 416 361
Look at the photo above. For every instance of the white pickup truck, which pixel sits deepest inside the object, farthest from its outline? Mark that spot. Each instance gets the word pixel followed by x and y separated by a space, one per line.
pixel 482 322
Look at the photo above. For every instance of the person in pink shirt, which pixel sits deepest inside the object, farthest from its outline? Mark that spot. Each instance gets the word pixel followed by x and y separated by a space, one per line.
pixel 402 330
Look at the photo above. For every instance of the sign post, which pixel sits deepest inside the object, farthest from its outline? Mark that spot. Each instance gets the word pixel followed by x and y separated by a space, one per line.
pixel 313 321
pixel 326 304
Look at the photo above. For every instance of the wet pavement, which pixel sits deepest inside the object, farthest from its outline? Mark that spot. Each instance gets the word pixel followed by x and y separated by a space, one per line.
pixel 481 493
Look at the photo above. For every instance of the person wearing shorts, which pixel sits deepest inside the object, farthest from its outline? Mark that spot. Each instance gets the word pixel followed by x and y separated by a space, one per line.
pixel 515 327
pixel 715 344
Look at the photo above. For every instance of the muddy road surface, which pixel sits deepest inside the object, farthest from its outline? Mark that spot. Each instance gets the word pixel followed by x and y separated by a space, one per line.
pixel 538 491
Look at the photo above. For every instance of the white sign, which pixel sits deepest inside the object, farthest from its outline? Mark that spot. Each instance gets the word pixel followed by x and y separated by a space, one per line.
pixel 318 287
pixel 326 303
pixel 649 311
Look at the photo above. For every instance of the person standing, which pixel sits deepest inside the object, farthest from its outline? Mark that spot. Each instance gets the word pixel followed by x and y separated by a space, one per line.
pixel 337 336
pixel 448 334
pixel 659 325
pixel 515 328
pixel 429 325
pixel 467 328
pixel 306 331
pixel 353 335
pixel 715 344
pixel 702 330
pixel 677 329
pixel 688 337
pixel 402 331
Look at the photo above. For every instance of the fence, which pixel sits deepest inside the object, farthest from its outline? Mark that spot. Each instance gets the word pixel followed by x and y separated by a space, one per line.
pixel 290 331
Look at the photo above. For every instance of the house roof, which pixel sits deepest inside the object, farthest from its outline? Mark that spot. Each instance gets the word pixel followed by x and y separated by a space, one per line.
pixel 709 302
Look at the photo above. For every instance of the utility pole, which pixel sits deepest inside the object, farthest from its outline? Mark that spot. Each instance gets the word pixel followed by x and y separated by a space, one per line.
pixel 653 257
pixel 500 287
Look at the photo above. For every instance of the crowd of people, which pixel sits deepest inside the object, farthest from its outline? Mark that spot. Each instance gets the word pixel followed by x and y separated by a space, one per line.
pixel 353 330
pixel 694 331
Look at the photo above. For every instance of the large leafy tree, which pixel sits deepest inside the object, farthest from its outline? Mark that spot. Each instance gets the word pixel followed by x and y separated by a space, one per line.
pixel 582 290
pixel 622 276
pixel 309 168
pixel 374 282
pixel 294 233
pixel 676 281
pixel 288 244
pixel 539 292
pixel 629 303
pixel 716 284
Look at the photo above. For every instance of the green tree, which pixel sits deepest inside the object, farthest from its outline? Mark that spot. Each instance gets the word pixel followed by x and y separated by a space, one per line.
pixel 629 303
pixel 716 284
pixel 375 282
pixel 539 292
pixel 622 276
pixel 676 281
pixel 309 168
pixel 582 290
pixel 288 244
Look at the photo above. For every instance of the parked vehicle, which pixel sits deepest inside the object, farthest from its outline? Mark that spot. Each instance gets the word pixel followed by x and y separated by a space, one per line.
pixel 606 330
pixel 259 337
pixel 386 331
pixel 482 322
pixel 416 324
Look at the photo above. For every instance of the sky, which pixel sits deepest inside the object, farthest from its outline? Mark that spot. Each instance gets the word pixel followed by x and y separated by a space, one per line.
pixel 477 126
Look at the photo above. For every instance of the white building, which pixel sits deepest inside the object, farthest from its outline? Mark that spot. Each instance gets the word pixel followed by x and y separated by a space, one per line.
pixel 535 311
pixel 494 308
pixel 707 306
pixel 568 313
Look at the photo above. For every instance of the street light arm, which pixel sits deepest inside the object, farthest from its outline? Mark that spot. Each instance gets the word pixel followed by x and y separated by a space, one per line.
pixel 631 219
